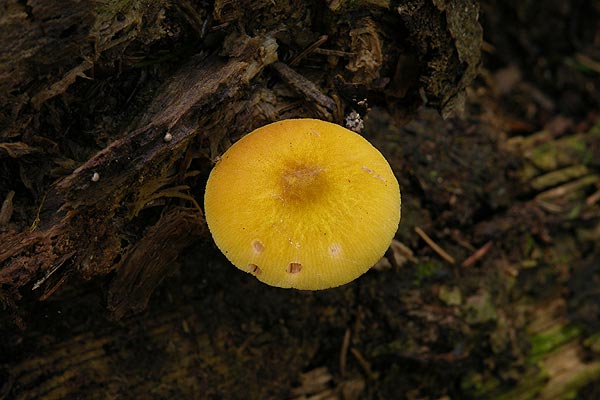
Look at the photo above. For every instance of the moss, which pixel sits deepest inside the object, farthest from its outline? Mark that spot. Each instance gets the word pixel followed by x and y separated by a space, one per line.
pixel 529 390
pixel 573 387
pixel 395 347
pixel 426 270
pixel 571 153
pixel 433 175
pixel 477 385
pixel 450 296
pixel 547 341
pixel 575 211
pixel 578 145
pixel 528 245
pixel 593 342
pixel 559 176
pixel 544 157
pixel 551 379
pixel 480 309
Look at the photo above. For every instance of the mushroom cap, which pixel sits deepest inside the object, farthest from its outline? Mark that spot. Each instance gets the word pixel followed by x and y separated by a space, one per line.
pixel 303 203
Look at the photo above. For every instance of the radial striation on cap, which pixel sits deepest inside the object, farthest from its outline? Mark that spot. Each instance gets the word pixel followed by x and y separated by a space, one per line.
pixel 303 203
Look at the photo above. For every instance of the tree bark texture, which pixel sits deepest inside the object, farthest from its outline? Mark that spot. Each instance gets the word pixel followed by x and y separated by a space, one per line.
pixel 89 171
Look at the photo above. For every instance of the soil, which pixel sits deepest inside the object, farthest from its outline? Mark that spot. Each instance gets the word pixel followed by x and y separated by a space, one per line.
pixel 489 114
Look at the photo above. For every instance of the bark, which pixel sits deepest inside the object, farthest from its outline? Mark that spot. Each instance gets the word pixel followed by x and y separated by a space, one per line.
pixel 84 210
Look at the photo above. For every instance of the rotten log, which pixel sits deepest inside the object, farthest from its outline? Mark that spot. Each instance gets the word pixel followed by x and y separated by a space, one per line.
pixel 82 216
pixel 89 217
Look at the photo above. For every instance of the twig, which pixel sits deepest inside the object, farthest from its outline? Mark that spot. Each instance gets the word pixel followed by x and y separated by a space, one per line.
pixel 331 52
pixel 363 363
pixel 56 266
pixel 588 62
pixel 594 197
pixel 344 352
pixel 550 207
pixel 308 50
pixel 441 252
pixel 7 208
pixel 473 258
pixel 568 187
pixel 308 89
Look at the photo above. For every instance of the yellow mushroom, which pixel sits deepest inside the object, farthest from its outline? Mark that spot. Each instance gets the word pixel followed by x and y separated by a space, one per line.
pixel 303 203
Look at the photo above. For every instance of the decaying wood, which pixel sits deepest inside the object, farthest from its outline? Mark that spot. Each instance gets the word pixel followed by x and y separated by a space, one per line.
pixel 131 171
pixel 151 259
pixel 88 217
pixel 309 90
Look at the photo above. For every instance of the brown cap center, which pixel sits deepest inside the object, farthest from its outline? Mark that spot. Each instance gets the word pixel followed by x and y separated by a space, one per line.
pixel 302 182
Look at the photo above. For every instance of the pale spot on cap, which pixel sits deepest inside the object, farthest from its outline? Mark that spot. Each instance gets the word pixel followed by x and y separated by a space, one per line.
pixel 335 250
pixel 257 246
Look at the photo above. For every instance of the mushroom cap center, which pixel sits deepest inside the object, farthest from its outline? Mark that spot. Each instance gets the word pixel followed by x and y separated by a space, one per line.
pixel 302 183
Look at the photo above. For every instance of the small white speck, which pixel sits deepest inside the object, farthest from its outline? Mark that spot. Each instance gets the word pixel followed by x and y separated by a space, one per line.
pixel 95 177
pixel 168 137
pixel 335 249
pixel 354 122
